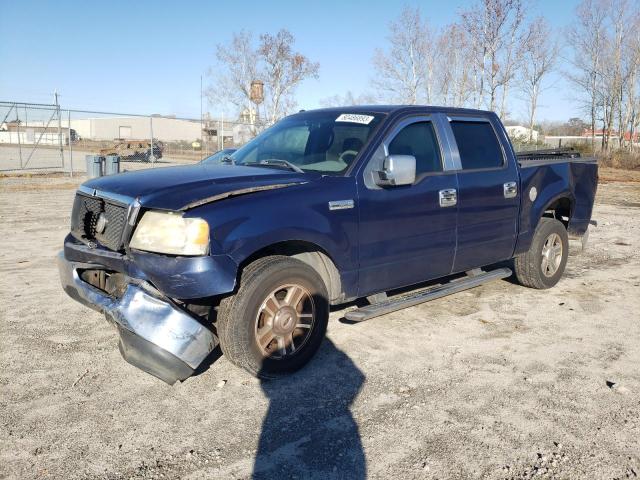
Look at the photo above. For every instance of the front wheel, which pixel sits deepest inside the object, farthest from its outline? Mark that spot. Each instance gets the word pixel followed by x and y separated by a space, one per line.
pixel 277 319
pixel 543 265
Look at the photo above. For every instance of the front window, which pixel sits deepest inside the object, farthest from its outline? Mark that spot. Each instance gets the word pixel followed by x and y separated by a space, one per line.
pixel 419 140
pixel 325 142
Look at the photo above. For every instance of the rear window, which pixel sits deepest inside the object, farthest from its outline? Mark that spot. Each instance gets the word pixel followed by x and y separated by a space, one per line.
pixel 477 144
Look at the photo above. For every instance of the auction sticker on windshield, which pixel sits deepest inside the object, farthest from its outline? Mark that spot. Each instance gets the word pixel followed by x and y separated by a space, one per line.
pixel 354 118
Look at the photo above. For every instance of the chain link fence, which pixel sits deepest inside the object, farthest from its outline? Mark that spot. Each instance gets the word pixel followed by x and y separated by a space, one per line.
pixel 46 137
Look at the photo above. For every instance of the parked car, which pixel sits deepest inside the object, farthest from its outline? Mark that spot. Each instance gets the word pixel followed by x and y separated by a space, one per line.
pixel 219 156
pixel 134 150
pixel 325 207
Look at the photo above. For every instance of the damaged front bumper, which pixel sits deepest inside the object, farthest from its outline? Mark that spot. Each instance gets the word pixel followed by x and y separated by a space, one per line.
pixel 155 335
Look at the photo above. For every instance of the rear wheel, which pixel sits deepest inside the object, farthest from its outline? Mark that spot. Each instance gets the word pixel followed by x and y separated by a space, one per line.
pixel 543 265
pixel 276 321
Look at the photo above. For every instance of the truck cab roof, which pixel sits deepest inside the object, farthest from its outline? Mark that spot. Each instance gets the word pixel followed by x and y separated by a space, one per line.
pixel 391 109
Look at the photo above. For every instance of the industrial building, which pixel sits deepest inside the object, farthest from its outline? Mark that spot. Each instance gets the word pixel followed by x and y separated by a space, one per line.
pixel 164 129
pixel 109 128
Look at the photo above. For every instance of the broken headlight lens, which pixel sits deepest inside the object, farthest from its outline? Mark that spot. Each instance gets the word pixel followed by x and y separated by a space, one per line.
pixel 165 232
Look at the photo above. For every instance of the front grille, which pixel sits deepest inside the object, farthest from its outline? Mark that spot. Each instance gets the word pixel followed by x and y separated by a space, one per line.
pixel 85 216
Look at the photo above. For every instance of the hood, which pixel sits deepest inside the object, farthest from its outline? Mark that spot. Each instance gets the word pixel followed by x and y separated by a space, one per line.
pixel 179 188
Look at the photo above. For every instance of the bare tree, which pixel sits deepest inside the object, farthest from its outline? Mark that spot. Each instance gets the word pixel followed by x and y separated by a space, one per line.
pixel 604 38
pixel 272 60
pixel 587 36
pixel 454 68
pixel 629 93
pixel 348 98
pixel 513 52
pixel 494 27
pixel 612 76
pixel 283 71
pixel 632 118
pixel 404 71
pixel 237 67
pixel 625 44
pixel 539 56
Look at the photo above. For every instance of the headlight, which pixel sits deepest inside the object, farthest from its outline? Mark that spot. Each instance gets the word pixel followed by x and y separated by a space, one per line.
pixel 171 233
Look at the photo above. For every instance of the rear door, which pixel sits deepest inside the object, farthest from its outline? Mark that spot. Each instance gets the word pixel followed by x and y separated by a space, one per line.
pixel 407 233
pixel 488 196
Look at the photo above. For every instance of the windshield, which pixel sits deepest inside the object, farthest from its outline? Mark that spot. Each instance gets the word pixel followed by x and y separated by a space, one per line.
pixel 325 142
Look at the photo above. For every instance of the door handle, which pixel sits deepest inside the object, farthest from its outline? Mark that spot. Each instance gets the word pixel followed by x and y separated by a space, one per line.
pixel 510 189
pixel 448 197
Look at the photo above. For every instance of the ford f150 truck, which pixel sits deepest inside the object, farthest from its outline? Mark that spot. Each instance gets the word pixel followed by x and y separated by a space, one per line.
pixel 323 208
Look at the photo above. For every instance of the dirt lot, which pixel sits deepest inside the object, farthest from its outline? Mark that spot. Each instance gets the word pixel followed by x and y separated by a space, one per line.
pixel 496 382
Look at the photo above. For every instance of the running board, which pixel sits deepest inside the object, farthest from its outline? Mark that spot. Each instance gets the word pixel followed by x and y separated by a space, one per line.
pixel 473 279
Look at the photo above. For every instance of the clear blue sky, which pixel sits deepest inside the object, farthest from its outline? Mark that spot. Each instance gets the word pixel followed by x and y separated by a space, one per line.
pixel 147 57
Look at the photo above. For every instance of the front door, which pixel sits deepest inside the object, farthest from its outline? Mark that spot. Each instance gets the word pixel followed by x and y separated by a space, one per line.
pixel 406 236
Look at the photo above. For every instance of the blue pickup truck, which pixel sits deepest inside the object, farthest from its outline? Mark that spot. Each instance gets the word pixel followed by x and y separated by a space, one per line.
pixel 323 208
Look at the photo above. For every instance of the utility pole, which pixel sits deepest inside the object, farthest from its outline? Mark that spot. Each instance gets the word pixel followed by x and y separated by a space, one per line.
pixel 201 126
pixel 55 95
pixel 19 142
pixel 222 131
pixel 152 157
pixel 70 144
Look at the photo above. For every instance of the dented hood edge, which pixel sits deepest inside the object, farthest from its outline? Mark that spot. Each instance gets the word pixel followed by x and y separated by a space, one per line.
pixel 235 193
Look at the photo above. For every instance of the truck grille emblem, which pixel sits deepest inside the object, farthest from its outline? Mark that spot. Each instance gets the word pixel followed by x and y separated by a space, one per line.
pixel 101 224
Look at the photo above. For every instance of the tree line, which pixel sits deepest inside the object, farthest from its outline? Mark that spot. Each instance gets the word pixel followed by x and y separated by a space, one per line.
pixel 493 51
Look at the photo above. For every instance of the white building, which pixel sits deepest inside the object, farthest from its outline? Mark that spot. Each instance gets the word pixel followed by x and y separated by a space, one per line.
pixel 29 136
pixel 164 129
pixel 518 132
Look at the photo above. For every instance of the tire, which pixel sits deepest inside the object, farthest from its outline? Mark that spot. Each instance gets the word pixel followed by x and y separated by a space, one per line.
pixel 252 314
pixel 531 269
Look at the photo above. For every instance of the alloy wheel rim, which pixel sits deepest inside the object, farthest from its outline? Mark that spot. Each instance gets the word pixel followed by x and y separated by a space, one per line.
pixel 551 255
pixel 284 322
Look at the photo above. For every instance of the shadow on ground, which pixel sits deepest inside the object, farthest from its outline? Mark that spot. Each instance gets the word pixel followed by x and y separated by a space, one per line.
pixel 308 431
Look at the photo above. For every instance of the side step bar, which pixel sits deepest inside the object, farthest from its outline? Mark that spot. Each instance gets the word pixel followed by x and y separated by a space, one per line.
pixel 474 278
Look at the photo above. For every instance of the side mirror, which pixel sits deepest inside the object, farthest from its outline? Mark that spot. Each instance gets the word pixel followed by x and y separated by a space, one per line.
pixel 397 170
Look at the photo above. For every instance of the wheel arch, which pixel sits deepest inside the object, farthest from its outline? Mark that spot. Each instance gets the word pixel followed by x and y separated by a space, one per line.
pixel 311 254
pixel 560 207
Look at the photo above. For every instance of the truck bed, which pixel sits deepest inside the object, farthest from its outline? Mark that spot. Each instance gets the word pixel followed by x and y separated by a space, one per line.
pixel 545 176
pixel 536 158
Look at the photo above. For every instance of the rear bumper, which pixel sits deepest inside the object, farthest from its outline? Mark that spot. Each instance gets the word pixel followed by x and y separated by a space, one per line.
pixel 155 335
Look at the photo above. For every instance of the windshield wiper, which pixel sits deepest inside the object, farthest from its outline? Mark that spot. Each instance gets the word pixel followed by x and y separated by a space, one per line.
pixel 275 161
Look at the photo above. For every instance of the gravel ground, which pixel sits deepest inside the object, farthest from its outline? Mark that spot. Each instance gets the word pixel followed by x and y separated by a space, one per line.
pixel 496 382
